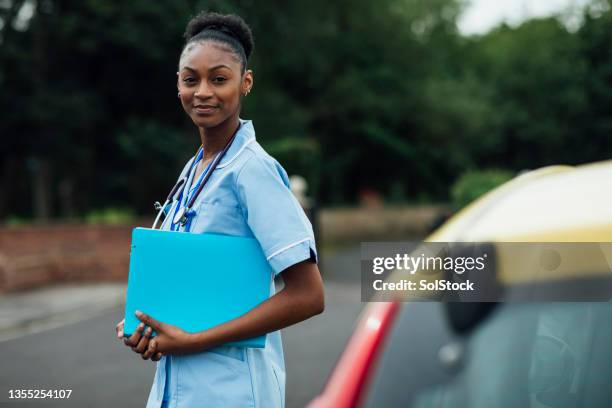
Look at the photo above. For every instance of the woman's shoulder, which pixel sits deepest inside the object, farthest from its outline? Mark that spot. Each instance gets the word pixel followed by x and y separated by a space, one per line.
pixel 255 150
pixel 257 162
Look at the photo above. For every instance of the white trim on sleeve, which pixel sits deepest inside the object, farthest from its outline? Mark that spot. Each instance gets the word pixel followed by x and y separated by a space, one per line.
pixel 287 247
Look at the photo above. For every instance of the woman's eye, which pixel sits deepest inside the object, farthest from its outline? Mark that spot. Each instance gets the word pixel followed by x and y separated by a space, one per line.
pixel 219 79
pixel 189 80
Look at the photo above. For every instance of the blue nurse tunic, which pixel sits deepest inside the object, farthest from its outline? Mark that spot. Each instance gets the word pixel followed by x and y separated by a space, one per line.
pixel 247 195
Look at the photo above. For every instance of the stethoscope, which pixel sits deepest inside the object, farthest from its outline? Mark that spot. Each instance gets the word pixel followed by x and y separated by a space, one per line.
pixel 183 214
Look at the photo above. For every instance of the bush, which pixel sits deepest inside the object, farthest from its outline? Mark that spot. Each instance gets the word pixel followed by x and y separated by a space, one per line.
pixel 112 216
pixel 475 183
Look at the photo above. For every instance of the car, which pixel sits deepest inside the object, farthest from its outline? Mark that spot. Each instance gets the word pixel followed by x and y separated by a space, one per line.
pixel 540 351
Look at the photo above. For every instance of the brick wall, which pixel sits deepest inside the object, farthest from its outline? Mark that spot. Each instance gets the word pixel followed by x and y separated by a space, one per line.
pixel 34 256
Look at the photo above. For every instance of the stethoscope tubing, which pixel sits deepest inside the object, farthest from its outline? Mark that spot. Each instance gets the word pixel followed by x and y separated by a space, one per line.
pixel 168 200
pixel 182 181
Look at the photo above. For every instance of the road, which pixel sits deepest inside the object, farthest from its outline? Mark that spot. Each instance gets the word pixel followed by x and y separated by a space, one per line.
pixel 101 372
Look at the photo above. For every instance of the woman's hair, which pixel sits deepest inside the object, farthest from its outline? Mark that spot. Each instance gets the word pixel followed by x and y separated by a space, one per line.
pixel 227 29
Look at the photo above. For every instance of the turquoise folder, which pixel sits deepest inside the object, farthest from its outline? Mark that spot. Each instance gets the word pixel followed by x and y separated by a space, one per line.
pixel 195 281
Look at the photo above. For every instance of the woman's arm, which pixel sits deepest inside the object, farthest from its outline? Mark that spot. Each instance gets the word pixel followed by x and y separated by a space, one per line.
pixel 301 298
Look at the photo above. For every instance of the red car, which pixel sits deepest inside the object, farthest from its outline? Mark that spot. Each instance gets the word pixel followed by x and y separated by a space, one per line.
pixel 511 354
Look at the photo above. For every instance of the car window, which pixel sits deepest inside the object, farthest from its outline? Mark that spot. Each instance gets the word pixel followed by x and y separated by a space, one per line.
pixel 530 355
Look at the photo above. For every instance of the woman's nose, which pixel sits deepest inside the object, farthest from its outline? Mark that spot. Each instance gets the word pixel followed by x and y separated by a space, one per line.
pixel 203 90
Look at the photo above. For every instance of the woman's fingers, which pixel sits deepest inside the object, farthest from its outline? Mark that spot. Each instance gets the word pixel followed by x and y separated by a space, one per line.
pixel 119 329
pixel 149 321
pixel 157 356
pixel 150 351
pixel 133 340
pixel 142 345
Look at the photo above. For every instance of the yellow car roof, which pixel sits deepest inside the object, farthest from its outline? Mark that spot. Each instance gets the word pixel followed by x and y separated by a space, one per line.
pixel 552 204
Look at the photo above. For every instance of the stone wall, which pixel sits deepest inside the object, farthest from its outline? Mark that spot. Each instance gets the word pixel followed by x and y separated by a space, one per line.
pixel 351 225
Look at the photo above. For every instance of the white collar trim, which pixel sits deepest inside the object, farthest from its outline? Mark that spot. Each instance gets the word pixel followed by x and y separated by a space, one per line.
pixel 221 165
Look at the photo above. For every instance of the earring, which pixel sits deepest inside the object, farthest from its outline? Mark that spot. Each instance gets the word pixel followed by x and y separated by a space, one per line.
pixel 179 94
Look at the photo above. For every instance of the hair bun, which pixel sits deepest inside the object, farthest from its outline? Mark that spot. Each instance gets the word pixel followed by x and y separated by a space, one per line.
pixel 229 24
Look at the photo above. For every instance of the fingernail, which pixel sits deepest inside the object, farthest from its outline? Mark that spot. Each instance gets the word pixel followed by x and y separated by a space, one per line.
pixel 141 326
pixel 138 313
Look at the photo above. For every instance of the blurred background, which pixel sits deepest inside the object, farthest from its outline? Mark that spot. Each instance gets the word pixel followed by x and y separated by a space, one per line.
pixel 387 99
pixel 393 113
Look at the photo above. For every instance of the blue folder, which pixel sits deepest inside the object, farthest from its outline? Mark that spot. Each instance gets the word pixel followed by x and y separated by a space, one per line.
pixel 195 281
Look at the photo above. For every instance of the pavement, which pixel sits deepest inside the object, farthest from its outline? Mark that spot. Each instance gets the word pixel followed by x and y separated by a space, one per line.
pixel 45 308
pixel 74 345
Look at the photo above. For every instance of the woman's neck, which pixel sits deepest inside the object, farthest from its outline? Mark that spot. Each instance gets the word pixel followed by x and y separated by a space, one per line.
pixel 215 139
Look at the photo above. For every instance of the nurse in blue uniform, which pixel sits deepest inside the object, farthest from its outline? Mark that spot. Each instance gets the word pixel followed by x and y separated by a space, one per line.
pixel 232 186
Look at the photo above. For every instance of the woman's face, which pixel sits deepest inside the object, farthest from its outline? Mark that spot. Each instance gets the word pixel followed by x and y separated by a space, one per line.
pixel 211 82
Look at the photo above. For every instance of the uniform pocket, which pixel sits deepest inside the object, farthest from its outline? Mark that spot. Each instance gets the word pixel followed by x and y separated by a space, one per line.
pixel 213 217
pixel 217 379
pixel 281 388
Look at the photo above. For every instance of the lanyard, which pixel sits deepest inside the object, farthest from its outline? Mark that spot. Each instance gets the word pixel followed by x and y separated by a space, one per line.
pixel 185 213
pixel 185 195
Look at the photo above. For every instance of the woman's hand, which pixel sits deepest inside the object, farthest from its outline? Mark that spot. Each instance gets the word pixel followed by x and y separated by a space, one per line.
pixel 138 342
pixel 119 329
pixel 301 298
pixel 169 339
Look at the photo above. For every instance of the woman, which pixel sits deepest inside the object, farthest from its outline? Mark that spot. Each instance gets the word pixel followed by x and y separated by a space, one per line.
pixel 245 193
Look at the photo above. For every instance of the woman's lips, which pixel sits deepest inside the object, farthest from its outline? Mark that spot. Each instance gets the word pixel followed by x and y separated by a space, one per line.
pixel 204 109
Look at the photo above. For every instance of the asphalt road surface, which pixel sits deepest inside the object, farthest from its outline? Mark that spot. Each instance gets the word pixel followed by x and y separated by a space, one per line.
pixel 101 372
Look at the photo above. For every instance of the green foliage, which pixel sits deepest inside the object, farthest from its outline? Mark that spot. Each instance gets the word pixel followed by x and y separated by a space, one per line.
pixel 595 39
pixel 111 216
pixel 15 221
pixel 302 154
pixel 539 94
pixel 383 95
pixel 473 184
pixel 150 149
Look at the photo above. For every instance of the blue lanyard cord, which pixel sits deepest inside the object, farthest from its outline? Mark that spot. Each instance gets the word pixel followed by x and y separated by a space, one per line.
pixel 198 157
pixel 192 190
pixel 190 198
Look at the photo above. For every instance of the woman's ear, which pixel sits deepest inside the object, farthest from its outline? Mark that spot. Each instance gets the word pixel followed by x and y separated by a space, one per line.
pixel 178 84
pixel 247 82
